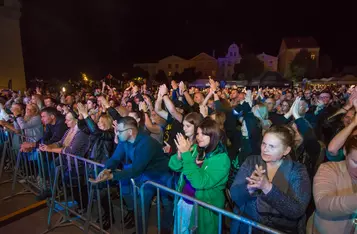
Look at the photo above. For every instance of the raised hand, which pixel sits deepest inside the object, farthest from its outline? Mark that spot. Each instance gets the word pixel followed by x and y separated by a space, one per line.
pixel 182 88
pixel 83 110
pixel 143 107
pixel 183 144
pixel 104 102
pixel 163 90
pixel 295 108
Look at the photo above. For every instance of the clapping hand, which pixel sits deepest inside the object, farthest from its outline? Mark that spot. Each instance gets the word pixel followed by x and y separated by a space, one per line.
pixel 183 144
pixel 163 90
pixel 143 107
pixel 295 108
pixel 182 88
pixel 213 85
pixel 258 181
pixel 82 110
pixel 103 102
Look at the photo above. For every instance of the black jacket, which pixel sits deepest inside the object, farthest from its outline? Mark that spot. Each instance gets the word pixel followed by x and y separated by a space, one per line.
pixel 101 142
pixel 54 133
pixel 308 152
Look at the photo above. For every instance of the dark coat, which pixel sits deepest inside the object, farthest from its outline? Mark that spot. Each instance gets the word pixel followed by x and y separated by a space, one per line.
pixel 146 157
pixel 283 208
pixel 102 142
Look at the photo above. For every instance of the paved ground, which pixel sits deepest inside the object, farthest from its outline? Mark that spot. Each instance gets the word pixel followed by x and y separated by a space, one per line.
pixel 36 224
pixel 16 202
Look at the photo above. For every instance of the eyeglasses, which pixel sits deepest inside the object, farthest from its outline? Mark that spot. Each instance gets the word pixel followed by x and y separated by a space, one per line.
pixel 118 131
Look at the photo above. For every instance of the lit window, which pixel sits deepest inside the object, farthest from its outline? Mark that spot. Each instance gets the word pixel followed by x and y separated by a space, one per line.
pixel 170 72
pixel 313 56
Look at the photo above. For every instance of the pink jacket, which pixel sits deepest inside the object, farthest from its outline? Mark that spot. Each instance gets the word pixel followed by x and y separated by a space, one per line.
pixel 335 199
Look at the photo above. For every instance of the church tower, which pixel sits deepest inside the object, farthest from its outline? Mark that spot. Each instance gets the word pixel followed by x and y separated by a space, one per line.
pixel 11 59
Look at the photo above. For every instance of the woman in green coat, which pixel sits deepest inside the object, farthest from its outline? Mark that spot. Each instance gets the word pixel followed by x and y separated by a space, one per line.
pixel 204 171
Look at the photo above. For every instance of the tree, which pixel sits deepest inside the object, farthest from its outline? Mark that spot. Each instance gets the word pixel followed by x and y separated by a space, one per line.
pixel 325 65
pixel 303 65
pixel 248 68
pixel 138 72
pixel 189 74
pixel 161 77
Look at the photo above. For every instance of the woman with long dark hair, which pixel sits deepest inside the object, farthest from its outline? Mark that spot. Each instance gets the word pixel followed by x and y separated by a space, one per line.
pixel 204 168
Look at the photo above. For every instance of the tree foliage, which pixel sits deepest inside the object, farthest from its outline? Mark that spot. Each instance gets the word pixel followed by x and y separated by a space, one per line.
pixel 248 68
pixel 188 75
pixel 325 65
pixel 138 72
pixel 161 77
pixel 303 66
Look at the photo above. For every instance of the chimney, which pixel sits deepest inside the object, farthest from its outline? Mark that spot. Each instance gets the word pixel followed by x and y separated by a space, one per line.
pixel 214 54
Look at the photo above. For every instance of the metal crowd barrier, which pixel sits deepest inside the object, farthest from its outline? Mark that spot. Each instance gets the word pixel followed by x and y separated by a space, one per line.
pixel 197 203
pixel 64 179
pixel 77 200
pixel 20 167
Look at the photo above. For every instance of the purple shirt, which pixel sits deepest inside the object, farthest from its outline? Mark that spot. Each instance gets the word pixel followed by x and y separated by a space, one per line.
pixel 188 189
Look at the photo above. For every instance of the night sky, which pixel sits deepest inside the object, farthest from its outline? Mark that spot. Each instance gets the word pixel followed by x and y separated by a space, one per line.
pixel 63 38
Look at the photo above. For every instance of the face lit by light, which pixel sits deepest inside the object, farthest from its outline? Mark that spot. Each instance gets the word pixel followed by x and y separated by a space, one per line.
pixel 272 148
pixel 70 120
pixel 202 140
pixel 188 128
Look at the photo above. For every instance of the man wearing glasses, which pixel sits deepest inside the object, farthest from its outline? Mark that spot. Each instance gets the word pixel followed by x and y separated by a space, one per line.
pixel 323 110
pixel 147 161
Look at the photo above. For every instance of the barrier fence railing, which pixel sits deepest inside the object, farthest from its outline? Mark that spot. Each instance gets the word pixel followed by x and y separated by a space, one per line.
pixel 15 163
pixel 78 201
pixel 196 203
pixel 64 180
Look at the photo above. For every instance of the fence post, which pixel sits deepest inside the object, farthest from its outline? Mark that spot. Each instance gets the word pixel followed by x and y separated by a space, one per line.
pixel 158 206
pixel 53 198
pixel 135 194
pixel 15 172
pixel 3 156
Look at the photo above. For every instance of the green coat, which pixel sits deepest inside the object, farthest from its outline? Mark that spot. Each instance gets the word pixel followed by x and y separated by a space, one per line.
pixel 209 182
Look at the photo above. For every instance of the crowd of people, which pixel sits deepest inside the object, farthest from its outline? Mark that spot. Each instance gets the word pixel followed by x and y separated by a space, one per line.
pixel 283 157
